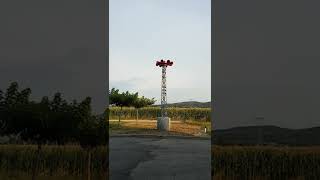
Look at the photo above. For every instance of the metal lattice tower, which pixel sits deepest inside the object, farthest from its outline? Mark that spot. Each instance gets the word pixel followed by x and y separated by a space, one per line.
pixel 164 64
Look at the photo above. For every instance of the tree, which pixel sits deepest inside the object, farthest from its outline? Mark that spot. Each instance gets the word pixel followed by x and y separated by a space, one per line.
pixel 84 109
pixel 15 109
pixel 11 95
pixel 55 121
pixel 142 102
pixel 7 103
pixel 124 99
pixel 2 110
pixel 62 118
pixel 93 133
pixel 114 96
pixel 1 97
pixel 21 117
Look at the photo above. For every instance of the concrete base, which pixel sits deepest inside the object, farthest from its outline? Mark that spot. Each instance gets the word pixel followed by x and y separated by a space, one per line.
pixel 163 123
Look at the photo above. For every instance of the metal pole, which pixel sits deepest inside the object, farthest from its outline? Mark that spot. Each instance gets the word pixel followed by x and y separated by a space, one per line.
pixel 163 92
pixel 163 122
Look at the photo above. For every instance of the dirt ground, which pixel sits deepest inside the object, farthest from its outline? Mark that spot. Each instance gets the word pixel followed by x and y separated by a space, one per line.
pixel 188 128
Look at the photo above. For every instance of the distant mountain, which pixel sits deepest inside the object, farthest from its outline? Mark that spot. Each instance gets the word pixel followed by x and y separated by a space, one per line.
pixel 190 104
pixel 253 135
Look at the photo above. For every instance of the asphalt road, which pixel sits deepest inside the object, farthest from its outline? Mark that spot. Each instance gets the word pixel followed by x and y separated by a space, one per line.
pixel 133 158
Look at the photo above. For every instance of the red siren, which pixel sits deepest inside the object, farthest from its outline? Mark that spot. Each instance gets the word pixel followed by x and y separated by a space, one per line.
pixel 163 63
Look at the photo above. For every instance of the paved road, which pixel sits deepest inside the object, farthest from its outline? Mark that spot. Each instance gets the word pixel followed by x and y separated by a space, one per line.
pixel 133 158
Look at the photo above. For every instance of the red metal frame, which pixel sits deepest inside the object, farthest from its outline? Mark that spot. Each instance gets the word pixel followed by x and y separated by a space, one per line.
pixel 164 63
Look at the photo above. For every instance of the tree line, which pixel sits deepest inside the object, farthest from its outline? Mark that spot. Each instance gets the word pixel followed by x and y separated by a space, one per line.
pixel 50 120
pixel 127 99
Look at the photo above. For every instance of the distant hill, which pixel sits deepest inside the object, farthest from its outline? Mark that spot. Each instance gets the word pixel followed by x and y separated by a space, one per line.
pixel 190 104
pixel 253 135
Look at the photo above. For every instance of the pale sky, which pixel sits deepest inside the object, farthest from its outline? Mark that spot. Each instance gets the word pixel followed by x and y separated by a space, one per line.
pixel 144 31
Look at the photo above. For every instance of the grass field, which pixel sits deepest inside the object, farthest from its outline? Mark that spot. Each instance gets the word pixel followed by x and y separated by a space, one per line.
pixel 265 163
pixel 18 162
pixel 189 128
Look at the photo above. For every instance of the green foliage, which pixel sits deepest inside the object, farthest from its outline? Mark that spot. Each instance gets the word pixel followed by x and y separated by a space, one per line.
pixel 2 111
pixel 126 101
pixel 194 114
pixel 50 121
pixel 122 99
pixel 141 102
pixel 93 132
pixel 54 121
pixel 15 105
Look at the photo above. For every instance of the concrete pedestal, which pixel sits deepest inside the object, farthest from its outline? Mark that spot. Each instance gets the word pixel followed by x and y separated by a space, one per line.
pixel 163 123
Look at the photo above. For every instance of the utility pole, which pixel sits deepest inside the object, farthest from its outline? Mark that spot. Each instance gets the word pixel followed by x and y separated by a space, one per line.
pixel 163 122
